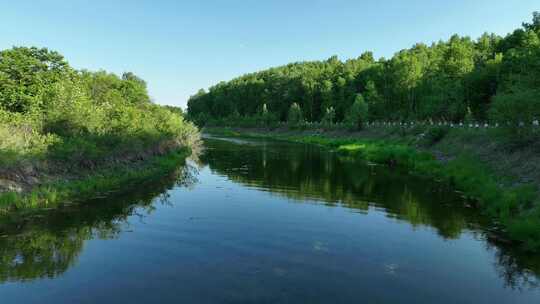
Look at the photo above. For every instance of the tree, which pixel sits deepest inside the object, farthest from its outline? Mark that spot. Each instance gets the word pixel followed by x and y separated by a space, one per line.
pixel 535 25
pixel 373 99
pixel 26 74
pixel 295 114
pixel 134 89
pixel 326 95
pixel 440 81
pixel 358 113
pixel 367 56
pixel 174 109
pixel 267 117
pixel 329 117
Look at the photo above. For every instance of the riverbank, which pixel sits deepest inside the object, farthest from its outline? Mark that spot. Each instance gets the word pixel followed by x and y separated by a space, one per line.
pixel 44 174
pixel 53 191
pixel 499 179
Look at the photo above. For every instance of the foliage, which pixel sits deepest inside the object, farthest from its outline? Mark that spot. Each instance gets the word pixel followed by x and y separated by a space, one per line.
pixel 20 138
pixel 517 110
pixel 25 76
pixel 358 113
pixel 451 80
pixel 267 118
pixel 295 114
pixel 54 118
pixel 329 117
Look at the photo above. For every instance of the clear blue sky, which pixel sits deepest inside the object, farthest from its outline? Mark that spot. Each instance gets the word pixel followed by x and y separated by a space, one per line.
pixel 181 46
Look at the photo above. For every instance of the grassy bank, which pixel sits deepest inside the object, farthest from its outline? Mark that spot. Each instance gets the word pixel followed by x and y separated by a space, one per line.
pixel 512 204
pixel 96 184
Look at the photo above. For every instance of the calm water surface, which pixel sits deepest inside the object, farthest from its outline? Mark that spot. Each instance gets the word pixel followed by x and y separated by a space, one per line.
pixel 254 221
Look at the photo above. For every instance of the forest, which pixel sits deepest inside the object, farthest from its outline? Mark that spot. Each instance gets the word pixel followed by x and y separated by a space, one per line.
pixel 490 79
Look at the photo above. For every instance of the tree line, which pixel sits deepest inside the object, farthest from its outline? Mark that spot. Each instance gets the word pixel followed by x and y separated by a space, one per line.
pixel 492 78
pixel 50 110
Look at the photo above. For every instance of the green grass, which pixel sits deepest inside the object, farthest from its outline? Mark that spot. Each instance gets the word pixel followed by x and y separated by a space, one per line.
pixel 514 210
pixel 94 185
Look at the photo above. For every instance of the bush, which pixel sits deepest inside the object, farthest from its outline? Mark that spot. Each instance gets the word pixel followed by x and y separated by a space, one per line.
pixel 21 138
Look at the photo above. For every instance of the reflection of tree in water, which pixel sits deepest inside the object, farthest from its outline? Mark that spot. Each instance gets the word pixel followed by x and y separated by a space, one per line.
pixel 35 254
pixel 48 244
pixel 519 270
pixel 303 172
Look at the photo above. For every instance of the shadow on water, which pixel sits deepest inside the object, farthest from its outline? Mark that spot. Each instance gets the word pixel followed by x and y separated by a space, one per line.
pixel 309 173
pixel 48 244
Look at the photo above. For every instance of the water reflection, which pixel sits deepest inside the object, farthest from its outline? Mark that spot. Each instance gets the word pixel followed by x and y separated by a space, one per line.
pixel 304 172
pixel 48 244
pixel 207 252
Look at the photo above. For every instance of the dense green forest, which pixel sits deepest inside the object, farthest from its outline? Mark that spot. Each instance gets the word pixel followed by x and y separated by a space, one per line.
pixel 491 78
pixel 59 121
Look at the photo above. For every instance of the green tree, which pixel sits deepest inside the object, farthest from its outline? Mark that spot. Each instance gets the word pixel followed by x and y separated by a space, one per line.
pixel 329 117
pixel 440 81
pixel 535 24
pixel 134 89
pixel 295 114
pixel 26 73
pixel 358 113
pixel 326 95
pixel 267 117
pixel 374 100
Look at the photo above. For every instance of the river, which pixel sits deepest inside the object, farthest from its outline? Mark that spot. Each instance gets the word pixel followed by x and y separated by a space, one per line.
pixel 261 221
